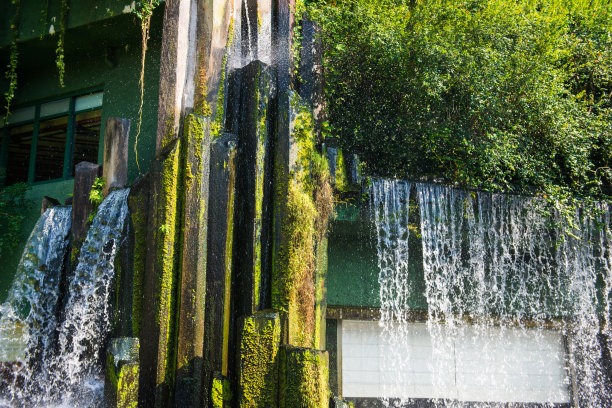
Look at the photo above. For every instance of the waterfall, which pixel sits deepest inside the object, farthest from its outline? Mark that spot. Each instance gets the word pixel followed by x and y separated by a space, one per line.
pixel 73 375
pixel 497 272
pixel 28 318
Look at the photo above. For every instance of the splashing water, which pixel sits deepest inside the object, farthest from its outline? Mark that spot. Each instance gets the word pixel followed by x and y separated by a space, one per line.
pixel 496 273
pixel 28 317
pixel 73 375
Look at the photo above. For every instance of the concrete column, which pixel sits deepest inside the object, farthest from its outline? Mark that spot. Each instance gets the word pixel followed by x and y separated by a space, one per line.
pixel 192 303
pixel 219 332
pixel 114 170
pixel 85 174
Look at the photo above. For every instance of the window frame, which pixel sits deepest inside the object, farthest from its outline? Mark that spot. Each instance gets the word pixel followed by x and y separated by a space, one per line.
pixel 72 112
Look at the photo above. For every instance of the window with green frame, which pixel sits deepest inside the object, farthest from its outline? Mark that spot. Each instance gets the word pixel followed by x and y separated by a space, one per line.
pixel 45 141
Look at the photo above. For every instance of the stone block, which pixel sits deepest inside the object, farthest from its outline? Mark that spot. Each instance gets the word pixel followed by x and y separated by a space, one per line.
pixel 219 262
pixel 304 378
pixel 311 74
pixel 160 283
pixel 122 371
pixel 196 168
pixel 138 203
pixel 116 135
pixel 258 361
pixel 48 202
pixel 336 402
pixel 85 174
pixel 254 183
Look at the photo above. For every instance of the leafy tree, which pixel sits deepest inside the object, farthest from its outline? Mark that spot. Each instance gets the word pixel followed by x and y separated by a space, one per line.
pixel 495 94
pixel 13 207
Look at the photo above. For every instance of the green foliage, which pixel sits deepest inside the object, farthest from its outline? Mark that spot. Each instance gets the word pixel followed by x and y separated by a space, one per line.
pixel 11 68
pixel 59 51
pixel 510 94
pixel 13 208
pixel 144 14
pixel 96 196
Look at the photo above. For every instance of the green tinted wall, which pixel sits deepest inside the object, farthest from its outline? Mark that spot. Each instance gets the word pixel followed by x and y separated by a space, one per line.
pixel 102 55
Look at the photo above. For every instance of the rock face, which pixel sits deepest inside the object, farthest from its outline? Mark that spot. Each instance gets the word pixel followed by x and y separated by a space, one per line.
pixel 85 174
pixel 116 135
pixel 229 244
pixel 122 370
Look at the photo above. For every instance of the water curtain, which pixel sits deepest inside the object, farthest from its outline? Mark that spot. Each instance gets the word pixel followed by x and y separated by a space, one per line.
pixel 496 271
pixel 67 371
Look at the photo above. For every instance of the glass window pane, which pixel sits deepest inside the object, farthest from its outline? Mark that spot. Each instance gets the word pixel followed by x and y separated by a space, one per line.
pixel 22 115
pixel 90 101
pixel 50 148
pixel 55 107
pixel 87 137
pixel 18 159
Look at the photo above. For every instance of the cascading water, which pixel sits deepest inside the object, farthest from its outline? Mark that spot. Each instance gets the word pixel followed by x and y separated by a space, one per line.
pixel 497 273
pixel 72 375
pixel 28 318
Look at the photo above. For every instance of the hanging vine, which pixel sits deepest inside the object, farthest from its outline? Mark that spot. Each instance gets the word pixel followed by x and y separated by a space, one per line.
pixel 59 52
pixel 44 14
pixel 144 13
pixel 11 68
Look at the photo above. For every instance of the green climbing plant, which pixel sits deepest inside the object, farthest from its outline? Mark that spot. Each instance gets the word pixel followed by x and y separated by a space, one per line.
pixel 144 14
pixel 13 208
pixel 11 68
pixel 96 196
pixel 59 51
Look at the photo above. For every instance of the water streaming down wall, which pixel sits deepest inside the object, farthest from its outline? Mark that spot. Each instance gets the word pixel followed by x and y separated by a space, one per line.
pixel 72 375
pixel 497 272
pixel 28 317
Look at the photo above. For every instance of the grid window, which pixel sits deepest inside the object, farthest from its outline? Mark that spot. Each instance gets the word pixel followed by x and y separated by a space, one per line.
pixel 44 142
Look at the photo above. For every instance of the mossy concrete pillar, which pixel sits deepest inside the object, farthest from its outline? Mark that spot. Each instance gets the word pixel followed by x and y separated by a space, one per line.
pixel 85 173
pixel 320 290
pixel 304 378
pixel 194 193
pixel 311 74
pixel 219 264
pixel 254 187
pixel 282 39
pixel 114 170
pixel 138 203
pixel 158 331
pixel 259 361
pixel 122 371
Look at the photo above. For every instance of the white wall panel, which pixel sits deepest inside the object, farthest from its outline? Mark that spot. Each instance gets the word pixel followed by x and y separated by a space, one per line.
pixel 492 364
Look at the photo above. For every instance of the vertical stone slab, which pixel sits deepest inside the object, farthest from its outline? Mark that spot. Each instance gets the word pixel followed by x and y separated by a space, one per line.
pixel 285 162
pixel 122 370
pixel 114 170
pixel 259 359
pixel 320 293
pixel 304 378
pixel 311 74
pixel 253 188
pixel 219 266
pixel 177 73
pixel 158 331
pixel 85 174
pixel 138 203
pixel 264 31
pixel 46 203
pixel 190 342
pixel 282 38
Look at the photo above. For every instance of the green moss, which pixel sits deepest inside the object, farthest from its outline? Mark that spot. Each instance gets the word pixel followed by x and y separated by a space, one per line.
pixel 221 392
pixel 340 176
pixel 138 213
pixel 304 378
pixel 168 259
pixel 123 379
pixel 304 202
pixel 259 349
